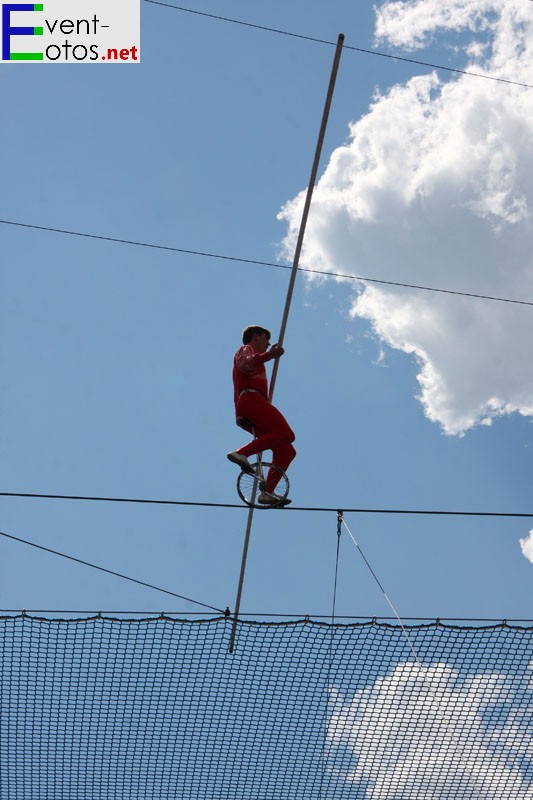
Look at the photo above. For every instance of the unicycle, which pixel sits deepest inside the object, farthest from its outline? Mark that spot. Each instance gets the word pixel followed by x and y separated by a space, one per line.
pixel 250 486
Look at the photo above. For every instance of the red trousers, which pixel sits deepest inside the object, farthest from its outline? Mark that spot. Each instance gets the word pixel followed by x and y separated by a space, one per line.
pixel 272 433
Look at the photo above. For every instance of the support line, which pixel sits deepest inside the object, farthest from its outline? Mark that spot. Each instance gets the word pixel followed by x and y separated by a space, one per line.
pixel 108 571
pixel 421 667
pixel 330 654
pixel 366 50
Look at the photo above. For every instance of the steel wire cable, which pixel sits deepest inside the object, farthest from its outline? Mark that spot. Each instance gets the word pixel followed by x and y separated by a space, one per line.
pixel 364 50
pixel 423 670
pixel 327 509
pixel 108 571
pixel 330 652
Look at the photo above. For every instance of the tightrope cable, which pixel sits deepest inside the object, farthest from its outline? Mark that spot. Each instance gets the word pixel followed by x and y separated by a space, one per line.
pixel 321 509
pixel 108 571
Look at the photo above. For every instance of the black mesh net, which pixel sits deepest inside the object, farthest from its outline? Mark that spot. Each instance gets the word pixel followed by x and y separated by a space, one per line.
pixel 159 708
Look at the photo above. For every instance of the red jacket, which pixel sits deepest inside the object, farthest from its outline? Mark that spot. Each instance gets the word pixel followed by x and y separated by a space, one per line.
pixel 249 371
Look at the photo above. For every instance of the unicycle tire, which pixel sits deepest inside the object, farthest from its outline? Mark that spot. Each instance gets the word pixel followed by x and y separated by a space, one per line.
pixel 249 487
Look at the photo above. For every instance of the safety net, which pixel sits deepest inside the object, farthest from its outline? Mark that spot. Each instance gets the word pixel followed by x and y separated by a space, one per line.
pixel 159 708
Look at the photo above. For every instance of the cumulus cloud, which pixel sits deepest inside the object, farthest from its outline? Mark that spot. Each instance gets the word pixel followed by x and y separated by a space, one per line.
pixel 424 732
pixel 526 545
pixel 434 187
pixel 411 24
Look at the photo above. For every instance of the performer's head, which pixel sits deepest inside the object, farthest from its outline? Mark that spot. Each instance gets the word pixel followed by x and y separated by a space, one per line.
pixel 257 336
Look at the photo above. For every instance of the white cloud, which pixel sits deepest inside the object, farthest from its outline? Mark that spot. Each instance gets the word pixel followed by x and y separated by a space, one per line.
pixel 435 187
pixel 411 24
pixel 526 545
pixel 422 732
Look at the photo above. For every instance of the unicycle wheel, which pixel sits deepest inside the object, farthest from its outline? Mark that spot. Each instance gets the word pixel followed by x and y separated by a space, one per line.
pixel 250 486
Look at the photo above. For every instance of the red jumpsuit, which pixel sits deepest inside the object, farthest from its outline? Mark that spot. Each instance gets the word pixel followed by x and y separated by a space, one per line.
pixel 271 428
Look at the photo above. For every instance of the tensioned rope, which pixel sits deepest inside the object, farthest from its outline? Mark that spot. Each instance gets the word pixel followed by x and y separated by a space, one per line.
pixel 364 50
pixel 294 270
pixel 330 650
pixel 222 257
pixel 108 571
pixel 423 670
pixel 337 553
pixel 326 509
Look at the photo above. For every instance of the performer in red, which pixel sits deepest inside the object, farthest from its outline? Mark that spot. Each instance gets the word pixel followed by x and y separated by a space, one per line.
pixel 251 402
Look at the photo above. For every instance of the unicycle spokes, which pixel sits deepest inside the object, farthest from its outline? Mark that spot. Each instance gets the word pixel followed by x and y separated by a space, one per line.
pixel 250 487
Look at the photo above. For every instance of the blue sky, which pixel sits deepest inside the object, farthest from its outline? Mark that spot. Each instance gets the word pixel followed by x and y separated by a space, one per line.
pixel 116 360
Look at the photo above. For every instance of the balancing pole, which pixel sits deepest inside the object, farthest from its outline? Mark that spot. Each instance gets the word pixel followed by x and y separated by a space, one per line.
pixel 294 270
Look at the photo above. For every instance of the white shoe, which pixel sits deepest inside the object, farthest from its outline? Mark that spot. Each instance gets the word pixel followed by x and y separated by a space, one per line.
pixel 242 462
pixel 271 499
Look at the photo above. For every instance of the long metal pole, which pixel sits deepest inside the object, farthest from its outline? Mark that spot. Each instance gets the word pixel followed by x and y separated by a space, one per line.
pixel 295 263
pixel 307 205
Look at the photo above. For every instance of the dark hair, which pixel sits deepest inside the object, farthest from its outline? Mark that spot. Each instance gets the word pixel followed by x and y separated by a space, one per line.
pixel 248 333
